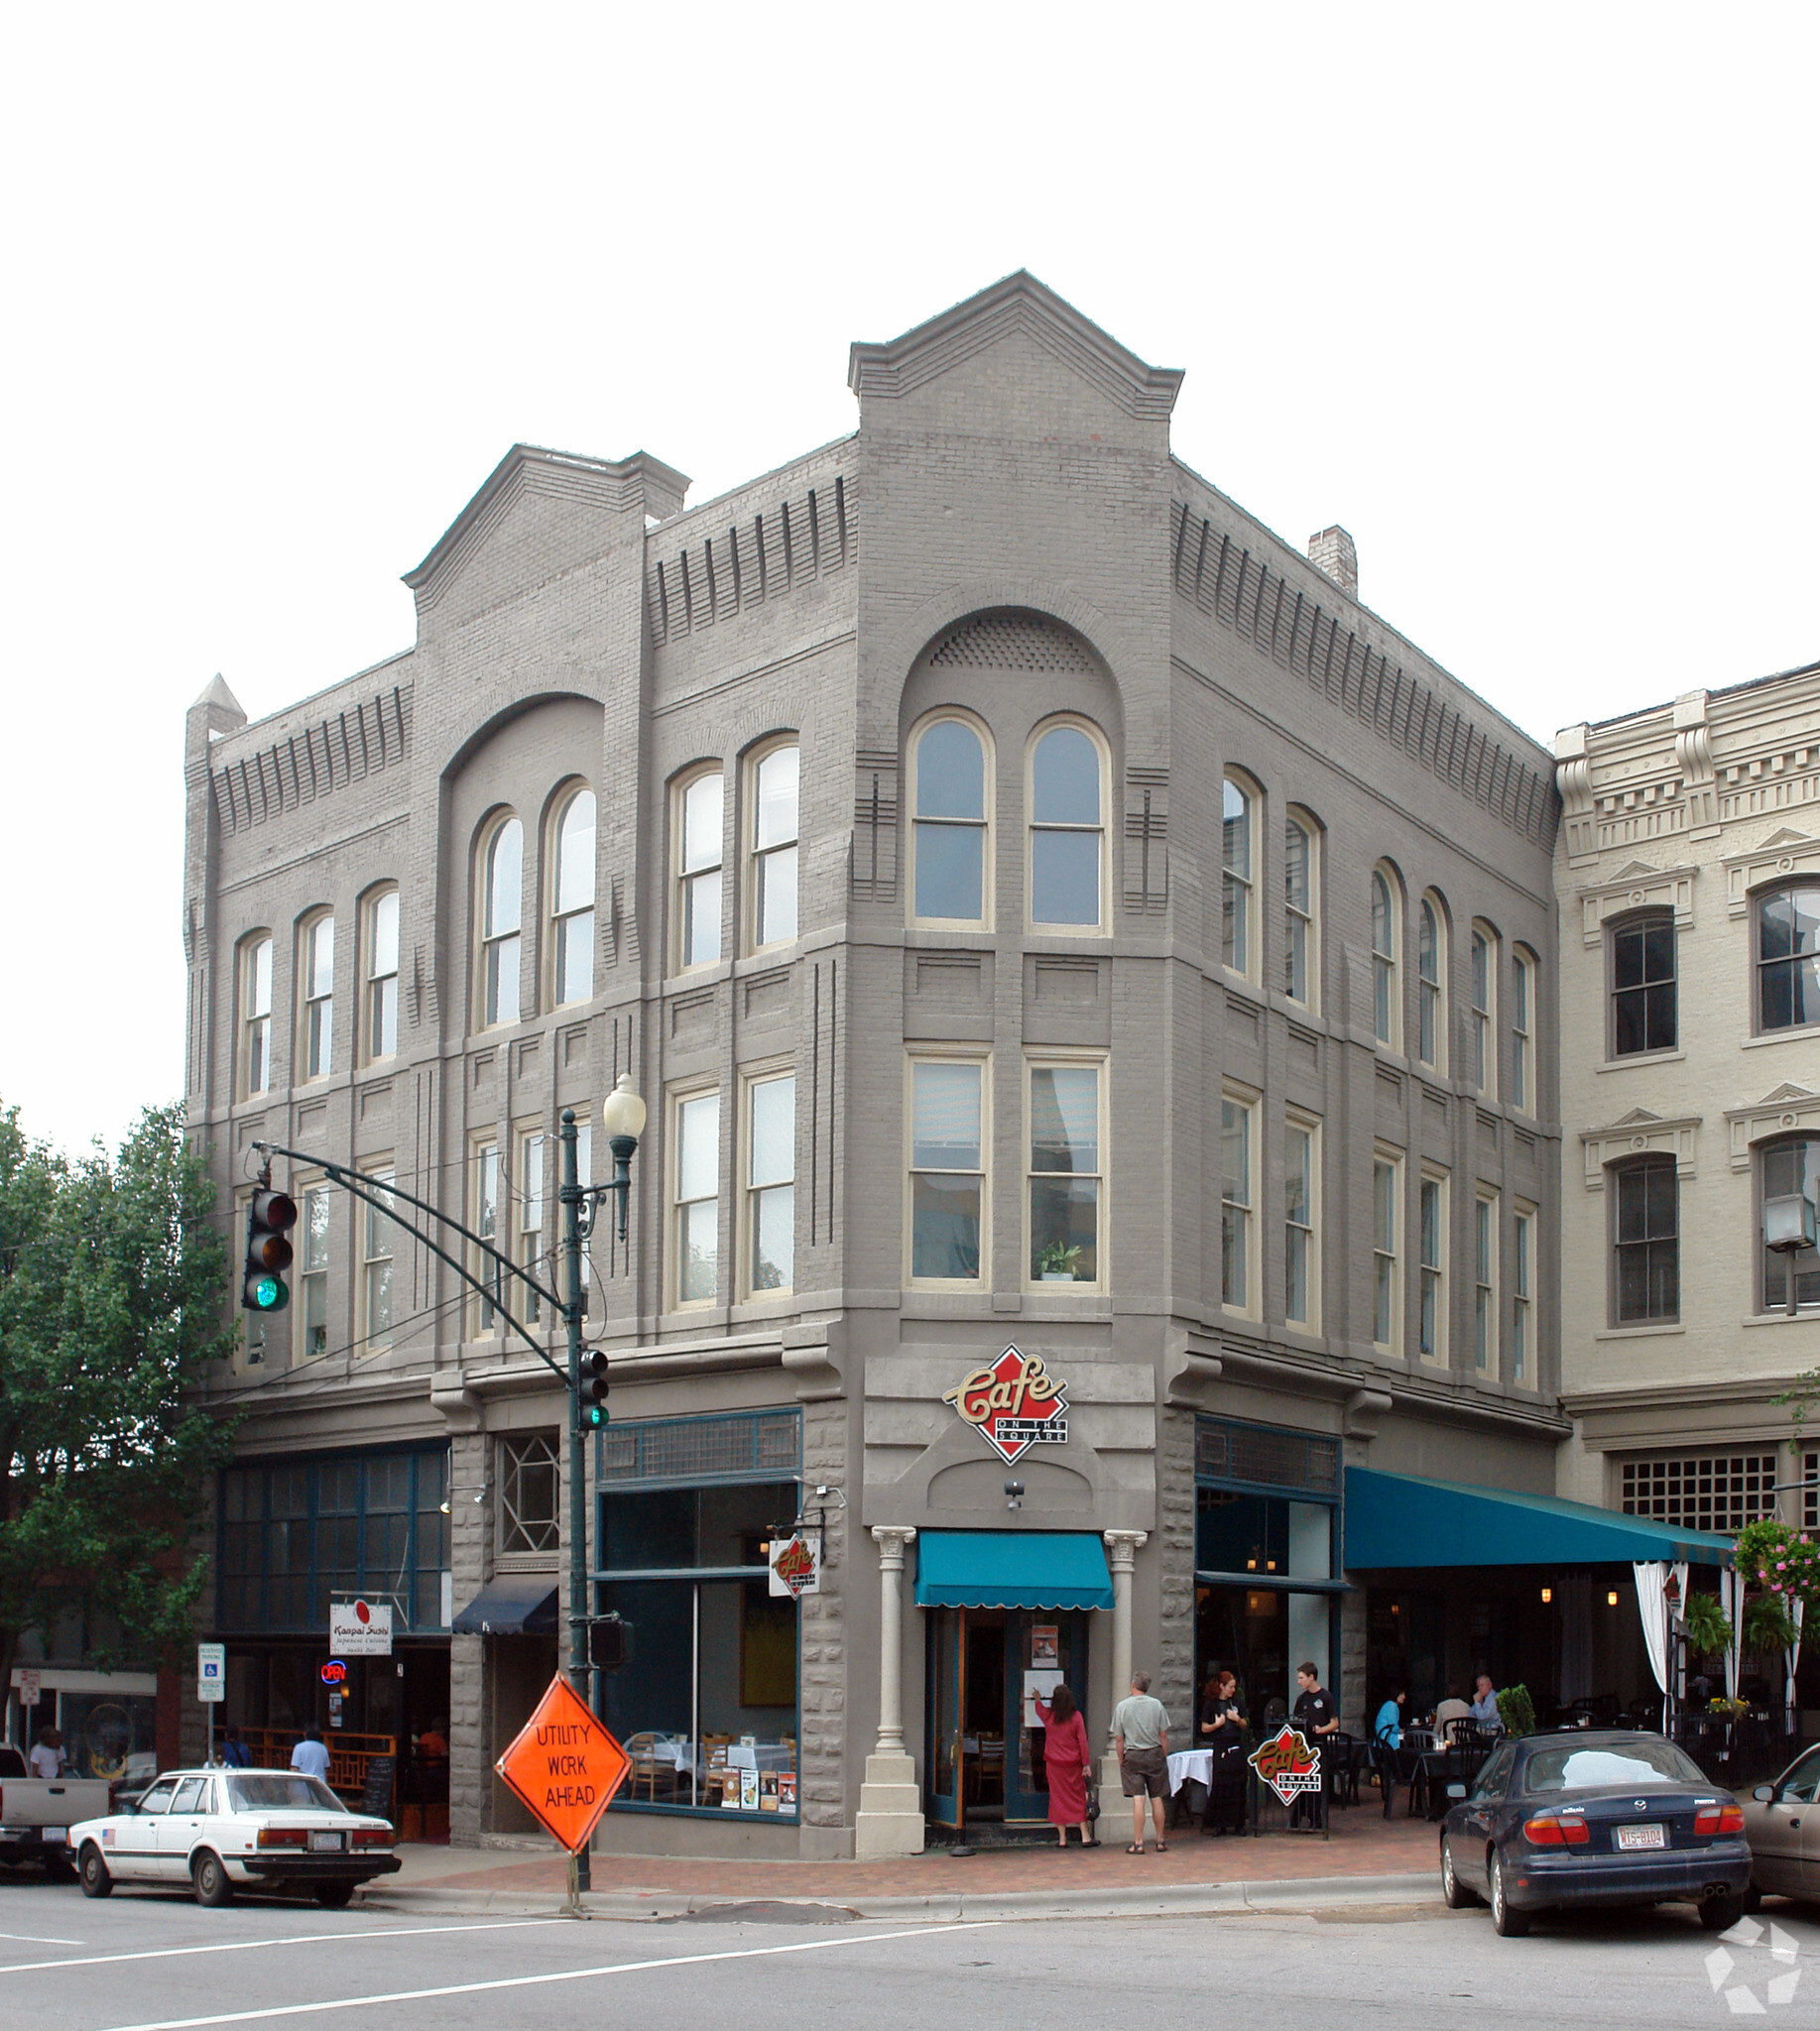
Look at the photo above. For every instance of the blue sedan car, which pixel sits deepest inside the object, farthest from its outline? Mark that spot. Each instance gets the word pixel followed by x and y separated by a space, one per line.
pixel 1558 1822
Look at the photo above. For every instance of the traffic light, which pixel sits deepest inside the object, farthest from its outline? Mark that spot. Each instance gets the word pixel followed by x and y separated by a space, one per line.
pixel 270 1218
pixel 591 1393
pixel 610 1643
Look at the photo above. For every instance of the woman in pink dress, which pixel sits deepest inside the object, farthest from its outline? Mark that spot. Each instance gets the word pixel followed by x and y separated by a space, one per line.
pixel 1069 1762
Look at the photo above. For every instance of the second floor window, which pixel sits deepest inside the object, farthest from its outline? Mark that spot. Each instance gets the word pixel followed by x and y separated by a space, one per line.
pixel 1065 1179
pixel 1786 1170
pixel 699 872
pixel 313 1253
pixel 528 1191
pixel 1485 1284
pixel 1788 958
pixel 698 1198
pixel 771 1185
pixel 486 1226
pixel 501 908
pixel 947 1170
pixel 948 766
pixel 572 901
pixel 318 997
pixel 378 1234
pixel 1647 1244
pixel 775 786
pixel 1387 1220
pixel 1066 835
pixel 1298 1191
pixel 256 1015
pixel 381 975
pixel 1236 1197
pixel 1434 1306
pixel 1522 1300
pixel 530 1488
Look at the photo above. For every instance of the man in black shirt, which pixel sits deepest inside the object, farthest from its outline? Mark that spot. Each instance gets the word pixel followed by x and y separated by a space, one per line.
pixel 1315 1716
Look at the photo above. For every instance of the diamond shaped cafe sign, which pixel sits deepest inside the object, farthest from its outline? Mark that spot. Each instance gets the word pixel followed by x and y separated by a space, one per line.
pixel 1013 1404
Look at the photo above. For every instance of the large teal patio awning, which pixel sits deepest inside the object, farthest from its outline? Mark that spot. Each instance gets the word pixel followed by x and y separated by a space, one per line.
pixel 1396 1520
pixel 1058 1569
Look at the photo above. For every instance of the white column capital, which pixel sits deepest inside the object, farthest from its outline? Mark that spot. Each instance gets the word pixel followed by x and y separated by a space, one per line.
pixel 892 1539
pixel 1123 1547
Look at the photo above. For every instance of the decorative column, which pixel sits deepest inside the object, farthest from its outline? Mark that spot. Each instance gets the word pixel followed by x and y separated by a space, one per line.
pixel 890 1818
pixel 1121 1549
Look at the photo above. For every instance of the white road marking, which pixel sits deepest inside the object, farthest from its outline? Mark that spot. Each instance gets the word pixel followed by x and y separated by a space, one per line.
pixel 301 1939
pixel 415 1996
pixel 33 1939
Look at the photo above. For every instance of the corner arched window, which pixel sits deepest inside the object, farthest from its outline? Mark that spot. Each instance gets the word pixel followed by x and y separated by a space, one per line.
pixel 255 993
pixel 379 973
pixel 698 813
pixel 1789 957
pixel 1067 830
pixel 571 941
pixel 1301 878
pixel 316 995
pixel 1386 951
pixel 950 793
pixel 1483 987
pixel 775 782
pixel 1431 985
pixel 501 913
pixel 1238 939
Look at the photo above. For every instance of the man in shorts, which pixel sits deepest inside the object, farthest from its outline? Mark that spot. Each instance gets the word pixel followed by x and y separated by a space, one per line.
pixel 1140 1735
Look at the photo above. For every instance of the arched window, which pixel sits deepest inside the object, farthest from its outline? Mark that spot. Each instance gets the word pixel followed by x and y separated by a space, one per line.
pixel 501 907
pixel 317 988
pixel 1789 957
pixel 774 785
pixel 1067 834
pixel 952 822
pixel 1485 1010
pixel 1522 1031
pixel 1238 943
pixel 256 1014
pixel 1645 1243
pixel 1431 985
pixel 380 967
pixel 1300 874
pixel 1786 1170
pixel 1387 992
pixel 698 842
pixel 572 901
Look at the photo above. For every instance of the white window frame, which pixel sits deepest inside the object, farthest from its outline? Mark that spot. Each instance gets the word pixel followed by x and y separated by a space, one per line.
pixel 1482 987
pixel 1525 972
pixel 986 826
pixel 253 989
pixel 315 1029
pixel 1240 1239
pixel 766 857
pixel 752 1190
pixel 488 1198
pixel 1066 722
pixel 1387 958
pixel 1388 1248
pixel 575 922
pixel 678 1098
pixel 1239 877
pixel 980 1061
pixel 1306 1231
pixel 541 1452
pixel 1432 1013
pixel 379 985
pixel 1486 1313
pixel 378 1251
pixel 1058 1060
pixel 1524 1361
pixel 690 870
pixel 1434 1187
pixel 1302 920
pixel 313 1276
pixel 499 942
pixel 525 1183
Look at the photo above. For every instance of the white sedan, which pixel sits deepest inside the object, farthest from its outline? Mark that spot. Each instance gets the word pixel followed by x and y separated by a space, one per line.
pixel 225 1830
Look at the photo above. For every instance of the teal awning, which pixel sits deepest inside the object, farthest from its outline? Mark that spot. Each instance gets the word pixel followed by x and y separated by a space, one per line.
pixel 1012 1569
pixel 1396 1519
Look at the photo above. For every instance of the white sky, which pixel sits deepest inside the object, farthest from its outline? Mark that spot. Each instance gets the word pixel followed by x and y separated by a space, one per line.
pixel 1524 296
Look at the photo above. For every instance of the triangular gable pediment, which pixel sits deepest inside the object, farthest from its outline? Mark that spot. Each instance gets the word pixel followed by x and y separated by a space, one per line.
pixel 1786 1092
pixel 1020 304
pixel 1639 1116
pixel 1635 871
pixel 1786 835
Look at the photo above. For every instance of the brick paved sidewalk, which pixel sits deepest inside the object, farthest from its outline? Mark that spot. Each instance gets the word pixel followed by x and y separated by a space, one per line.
pixel 1363 1843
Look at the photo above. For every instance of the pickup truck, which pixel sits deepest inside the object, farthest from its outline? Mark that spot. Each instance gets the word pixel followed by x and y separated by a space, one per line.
pixel 37 1813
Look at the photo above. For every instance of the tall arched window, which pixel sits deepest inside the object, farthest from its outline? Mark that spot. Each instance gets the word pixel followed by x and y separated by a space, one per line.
pixel 952 822
pixel 698 822
pixel 256 1014
pixel 1522 1031
pixel 573 900
pixel 1237 931
pixel 1067 835
pixel 317 987
pixel 501 911
pixel 1386 991
pixel 1301 960
pixel 1485 1010
pixel 775 787
pixel 1431 985
pixel 380 965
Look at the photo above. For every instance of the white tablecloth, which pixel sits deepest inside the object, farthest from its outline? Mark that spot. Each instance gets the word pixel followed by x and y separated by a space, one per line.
pixel 1185 1764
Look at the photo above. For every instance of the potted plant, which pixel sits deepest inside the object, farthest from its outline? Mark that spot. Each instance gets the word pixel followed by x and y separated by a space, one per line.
pixel 1056 1261
pixel 1516 1711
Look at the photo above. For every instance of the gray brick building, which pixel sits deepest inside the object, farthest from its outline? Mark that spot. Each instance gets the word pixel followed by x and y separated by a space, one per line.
pixel 1041 910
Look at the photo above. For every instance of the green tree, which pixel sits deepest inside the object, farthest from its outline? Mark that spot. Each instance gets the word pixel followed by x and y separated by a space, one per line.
pixel 111 1282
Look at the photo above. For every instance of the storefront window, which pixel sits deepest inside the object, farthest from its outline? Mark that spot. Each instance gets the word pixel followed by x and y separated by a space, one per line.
pixel 109 1734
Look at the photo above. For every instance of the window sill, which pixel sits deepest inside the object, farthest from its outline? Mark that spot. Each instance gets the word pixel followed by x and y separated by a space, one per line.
pixel 1808 1315
pixel 1801 1032
pixel 1242 984
pixel 1631 1059
pixel 1638 1332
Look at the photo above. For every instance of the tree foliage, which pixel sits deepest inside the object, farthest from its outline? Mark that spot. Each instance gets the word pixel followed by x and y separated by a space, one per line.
pixel 111 1280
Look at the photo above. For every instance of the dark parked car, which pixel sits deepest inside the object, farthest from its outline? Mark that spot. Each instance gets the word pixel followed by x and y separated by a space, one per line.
pixel 1591 1817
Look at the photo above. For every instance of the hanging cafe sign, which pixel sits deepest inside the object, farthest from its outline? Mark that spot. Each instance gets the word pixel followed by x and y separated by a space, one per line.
pixel 1287 1765
pixel 1013 1404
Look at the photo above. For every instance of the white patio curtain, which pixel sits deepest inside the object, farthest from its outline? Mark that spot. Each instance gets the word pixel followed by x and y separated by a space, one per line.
pixel 1732 1600
pixel 1652 1610
pixel 1795 1610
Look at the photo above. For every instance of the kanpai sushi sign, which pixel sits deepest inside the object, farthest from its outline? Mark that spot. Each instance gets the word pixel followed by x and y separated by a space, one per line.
pixel 1013 1404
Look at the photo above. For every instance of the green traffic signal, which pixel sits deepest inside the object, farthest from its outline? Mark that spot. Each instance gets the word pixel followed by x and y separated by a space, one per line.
pixel 270 1217
pixel 592 1392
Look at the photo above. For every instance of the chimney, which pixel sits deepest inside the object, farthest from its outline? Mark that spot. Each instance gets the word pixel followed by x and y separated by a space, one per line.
pixel 1332 552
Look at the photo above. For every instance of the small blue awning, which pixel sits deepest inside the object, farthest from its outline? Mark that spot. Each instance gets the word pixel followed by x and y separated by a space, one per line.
pixel 1058 1569
pixel 1396 1520
pixel 514 1605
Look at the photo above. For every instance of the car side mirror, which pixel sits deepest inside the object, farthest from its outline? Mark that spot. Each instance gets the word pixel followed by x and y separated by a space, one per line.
pixel 1766 1792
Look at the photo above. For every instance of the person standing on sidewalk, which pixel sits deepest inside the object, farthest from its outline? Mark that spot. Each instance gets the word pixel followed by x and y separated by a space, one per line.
pixel 1068 1762
pixel 1140 1735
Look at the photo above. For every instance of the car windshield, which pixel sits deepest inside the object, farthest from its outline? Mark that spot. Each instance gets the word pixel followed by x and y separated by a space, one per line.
pixel 260 1791
pixel 1642 1763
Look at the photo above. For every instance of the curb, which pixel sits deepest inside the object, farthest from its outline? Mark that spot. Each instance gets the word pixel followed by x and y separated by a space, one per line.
pixel 1001 1907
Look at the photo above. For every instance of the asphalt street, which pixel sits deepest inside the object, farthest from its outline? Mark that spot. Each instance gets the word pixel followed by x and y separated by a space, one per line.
pixel 158 1962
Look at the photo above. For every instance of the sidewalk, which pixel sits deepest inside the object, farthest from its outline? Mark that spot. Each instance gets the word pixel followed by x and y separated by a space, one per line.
pixel 1367 1858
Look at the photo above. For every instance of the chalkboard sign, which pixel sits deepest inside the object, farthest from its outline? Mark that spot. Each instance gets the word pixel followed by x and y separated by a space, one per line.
pixel 382 1774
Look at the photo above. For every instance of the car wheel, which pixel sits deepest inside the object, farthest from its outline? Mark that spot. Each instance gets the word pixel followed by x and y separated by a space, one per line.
pixel 335 1896
pixel 1454 1893
pixel 214 1886
pixel 96 1882
pixel 1720 1914
pixel 1511 1924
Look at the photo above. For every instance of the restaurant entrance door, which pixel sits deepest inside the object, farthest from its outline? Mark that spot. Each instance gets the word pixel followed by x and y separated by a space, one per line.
pixel 985 1763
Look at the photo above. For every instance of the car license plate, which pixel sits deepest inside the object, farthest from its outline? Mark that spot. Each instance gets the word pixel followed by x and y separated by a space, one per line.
pixel 1644 1837
pixel 54 1836
pixel 325 1843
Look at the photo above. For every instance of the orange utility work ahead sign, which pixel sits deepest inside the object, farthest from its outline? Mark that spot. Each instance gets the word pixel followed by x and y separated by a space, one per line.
pixel 565 1765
